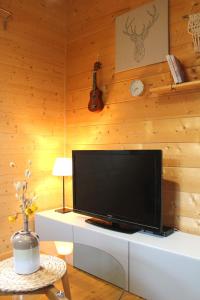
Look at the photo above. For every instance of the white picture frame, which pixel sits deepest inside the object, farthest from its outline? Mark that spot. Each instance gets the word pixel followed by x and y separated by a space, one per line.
pixel 142 36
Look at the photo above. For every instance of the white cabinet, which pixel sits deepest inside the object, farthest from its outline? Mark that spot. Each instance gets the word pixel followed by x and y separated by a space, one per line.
pixel 153 267
pixel 157 274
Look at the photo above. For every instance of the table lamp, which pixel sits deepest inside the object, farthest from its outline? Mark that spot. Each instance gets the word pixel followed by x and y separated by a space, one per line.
pixel 63 167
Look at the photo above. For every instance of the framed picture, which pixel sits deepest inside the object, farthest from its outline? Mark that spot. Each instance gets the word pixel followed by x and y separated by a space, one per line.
pixel 142 36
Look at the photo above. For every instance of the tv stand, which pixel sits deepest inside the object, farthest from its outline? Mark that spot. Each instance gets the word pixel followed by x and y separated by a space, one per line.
pixel 135 262
pixel 112 225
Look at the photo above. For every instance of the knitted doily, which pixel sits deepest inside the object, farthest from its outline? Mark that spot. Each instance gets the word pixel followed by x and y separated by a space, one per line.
pixel 52 268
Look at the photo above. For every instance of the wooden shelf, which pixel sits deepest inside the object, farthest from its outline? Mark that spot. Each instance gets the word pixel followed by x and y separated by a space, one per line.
pixel 190 86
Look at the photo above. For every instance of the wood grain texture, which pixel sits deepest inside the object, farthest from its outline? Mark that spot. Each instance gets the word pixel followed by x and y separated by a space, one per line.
pixel 168 122
pixel 33 66
pixel 177 88
pixel 32 59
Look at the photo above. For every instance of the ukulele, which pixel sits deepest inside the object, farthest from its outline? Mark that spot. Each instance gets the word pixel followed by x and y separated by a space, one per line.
pixel 96 102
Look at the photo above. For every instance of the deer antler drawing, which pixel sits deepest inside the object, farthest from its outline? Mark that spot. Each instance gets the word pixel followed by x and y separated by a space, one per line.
pixel 138 38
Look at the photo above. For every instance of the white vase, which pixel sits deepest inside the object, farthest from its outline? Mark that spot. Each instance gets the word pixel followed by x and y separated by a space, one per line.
pixel 26 252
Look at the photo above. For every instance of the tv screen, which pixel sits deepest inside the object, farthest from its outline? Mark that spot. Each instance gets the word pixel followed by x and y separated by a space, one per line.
pixel 119 186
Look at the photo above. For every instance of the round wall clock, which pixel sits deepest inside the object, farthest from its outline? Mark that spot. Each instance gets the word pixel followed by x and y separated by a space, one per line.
pixel 137 87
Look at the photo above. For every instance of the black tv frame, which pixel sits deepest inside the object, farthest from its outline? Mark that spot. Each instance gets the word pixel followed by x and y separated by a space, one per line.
pixel 117 224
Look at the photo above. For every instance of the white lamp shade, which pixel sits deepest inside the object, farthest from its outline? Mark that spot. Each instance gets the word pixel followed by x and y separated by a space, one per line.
pixel 62 167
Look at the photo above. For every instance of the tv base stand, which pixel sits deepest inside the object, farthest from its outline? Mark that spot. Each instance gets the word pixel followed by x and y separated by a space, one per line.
pixel 112 225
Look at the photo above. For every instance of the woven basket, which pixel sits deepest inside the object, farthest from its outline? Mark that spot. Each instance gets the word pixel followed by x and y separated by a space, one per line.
pixel 52 269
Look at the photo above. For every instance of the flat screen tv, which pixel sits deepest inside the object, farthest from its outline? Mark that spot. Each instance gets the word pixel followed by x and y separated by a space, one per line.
pixel 121 189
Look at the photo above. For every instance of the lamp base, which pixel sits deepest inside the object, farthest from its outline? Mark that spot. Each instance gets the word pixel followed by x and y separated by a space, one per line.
pixel 63 210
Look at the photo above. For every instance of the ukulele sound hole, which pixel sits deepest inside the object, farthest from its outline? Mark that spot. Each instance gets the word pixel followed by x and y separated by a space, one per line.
pixel 93 106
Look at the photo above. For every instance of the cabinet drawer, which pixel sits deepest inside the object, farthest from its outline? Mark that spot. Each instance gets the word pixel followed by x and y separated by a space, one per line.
pixel 101 255
pixel 156 274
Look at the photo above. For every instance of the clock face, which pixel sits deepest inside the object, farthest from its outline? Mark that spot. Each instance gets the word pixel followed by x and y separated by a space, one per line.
pixel 137 87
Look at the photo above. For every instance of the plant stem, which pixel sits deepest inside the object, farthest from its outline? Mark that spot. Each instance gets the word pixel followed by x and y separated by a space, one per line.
pixel 25 219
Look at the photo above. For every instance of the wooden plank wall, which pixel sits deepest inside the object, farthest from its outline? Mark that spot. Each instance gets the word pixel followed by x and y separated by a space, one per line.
pixel 170 123
pixel 32 54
